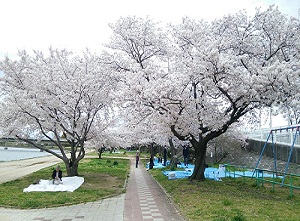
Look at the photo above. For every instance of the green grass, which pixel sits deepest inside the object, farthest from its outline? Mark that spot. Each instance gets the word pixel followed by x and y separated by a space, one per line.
pixel 231 200
pixel 122 154
pixel 102 178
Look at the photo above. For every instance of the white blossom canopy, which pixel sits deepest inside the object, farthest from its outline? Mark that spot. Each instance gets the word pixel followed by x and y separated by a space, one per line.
pixel 56 95
pixel 200 78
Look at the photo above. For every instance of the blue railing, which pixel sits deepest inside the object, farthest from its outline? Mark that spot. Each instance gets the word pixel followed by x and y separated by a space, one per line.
pixel 262 176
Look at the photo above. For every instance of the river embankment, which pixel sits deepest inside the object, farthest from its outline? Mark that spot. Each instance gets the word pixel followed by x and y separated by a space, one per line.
pixel 16 162
pixel 18 153
pixel 12 170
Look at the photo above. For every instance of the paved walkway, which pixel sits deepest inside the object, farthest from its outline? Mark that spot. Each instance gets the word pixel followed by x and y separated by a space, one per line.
pixel 144 200
pixel 110 209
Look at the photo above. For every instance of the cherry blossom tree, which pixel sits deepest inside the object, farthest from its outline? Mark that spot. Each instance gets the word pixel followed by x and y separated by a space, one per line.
pixel 58 97
pixel 290 108
pixel 200 78
pixel 231 67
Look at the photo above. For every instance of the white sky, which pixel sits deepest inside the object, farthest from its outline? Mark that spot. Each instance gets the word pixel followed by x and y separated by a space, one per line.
pixel 80 24
pixel 77 24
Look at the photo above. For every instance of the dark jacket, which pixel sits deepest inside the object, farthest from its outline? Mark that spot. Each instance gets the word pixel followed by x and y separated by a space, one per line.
pixel 151 164
pixel 185 152
pixel 59 174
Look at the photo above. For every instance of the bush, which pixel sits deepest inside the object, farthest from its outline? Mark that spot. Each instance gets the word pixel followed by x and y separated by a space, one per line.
pixel 239 216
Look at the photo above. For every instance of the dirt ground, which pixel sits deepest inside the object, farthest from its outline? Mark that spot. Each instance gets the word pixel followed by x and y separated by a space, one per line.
pixel 12 170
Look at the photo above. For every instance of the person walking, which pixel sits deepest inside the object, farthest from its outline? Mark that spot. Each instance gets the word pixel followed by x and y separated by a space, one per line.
pixel 137 158
pixel 151 163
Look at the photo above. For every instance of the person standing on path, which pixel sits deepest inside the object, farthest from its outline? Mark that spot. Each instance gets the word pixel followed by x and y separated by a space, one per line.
pixel 151 163
pixel 165 157
pixel 185 153
pixel 137 158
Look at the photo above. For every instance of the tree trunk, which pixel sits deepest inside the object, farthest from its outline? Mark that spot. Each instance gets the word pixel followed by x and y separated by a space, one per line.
pixel 152 149
pixel 76 156
pixel 200 165
pixel 100 151
pixel 72 168
pixel 77 153
pixel 174 159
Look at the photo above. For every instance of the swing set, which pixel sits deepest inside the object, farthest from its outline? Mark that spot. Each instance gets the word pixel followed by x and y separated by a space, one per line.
pixel 271 134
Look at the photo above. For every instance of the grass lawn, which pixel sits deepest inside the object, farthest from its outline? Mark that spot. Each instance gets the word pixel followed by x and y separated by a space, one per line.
pixel 102 178
pixel 231 200
pixel 120 154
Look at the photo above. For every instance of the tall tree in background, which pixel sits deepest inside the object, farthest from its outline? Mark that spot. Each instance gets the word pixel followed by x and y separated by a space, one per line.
pixel 209 75
pixel 231 67
pixel 57 97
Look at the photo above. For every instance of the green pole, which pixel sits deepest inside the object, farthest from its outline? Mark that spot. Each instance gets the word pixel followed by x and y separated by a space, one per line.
pixel 273 182
pixel 257 177
pixel 291 185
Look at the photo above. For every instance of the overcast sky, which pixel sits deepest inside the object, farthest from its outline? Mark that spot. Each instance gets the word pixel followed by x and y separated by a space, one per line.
pixel 77 24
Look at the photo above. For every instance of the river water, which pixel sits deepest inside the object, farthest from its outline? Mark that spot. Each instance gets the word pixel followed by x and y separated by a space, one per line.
pixel 15 153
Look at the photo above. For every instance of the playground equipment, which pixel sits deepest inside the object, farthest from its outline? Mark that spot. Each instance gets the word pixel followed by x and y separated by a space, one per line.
pixel 271 134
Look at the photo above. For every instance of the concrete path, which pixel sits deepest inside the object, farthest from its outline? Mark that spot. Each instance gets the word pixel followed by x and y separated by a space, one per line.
pixel 110 209
pixel 144 200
